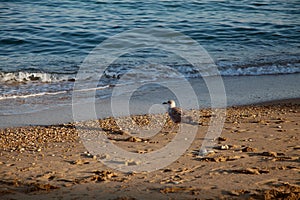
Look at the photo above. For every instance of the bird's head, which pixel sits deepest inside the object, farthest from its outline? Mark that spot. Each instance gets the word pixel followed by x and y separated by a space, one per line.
pixel 171 103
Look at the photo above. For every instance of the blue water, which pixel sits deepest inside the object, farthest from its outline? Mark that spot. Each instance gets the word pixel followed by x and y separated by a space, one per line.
pixel 43 43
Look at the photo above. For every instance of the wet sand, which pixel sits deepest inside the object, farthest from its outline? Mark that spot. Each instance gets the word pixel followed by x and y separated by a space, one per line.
pixel 257 156
pixel 240 90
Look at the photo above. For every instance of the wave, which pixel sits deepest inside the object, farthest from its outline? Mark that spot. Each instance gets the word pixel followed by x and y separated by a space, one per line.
pixel 161 72
pixel 274 69
pixel 40 94
pixel 156 72
pixel 42 77
pixel 31 95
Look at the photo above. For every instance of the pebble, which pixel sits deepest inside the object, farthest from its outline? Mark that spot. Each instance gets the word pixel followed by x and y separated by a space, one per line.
pixel 79 162
pixel 129 163
pixel 269 153
pixel 234 193
pixel 220 159
pixel 205 152
pixel 168 170
pixel 134 139
pixel 124 132
pixel 221 139
pixel 224 147
pixel 252 171
pixel 104 156
pixel 175 182
pixel 142 151
pixel 248 140
pixel 248 149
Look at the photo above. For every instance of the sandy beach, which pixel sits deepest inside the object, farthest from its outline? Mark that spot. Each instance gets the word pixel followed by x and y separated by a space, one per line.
pixel 82 87
pixel 256 157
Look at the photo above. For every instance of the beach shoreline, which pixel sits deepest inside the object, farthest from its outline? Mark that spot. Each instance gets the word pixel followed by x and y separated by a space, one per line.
pixel 260 160
pixel 239 90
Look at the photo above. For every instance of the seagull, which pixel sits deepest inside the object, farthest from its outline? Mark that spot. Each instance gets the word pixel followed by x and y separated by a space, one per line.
pixel 175 113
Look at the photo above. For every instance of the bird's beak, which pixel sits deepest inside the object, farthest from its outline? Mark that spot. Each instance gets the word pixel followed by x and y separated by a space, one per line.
pixel 165 103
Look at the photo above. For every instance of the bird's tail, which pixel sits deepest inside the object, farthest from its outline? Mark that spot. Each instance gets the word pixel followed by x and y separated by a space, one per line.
pixel 189 120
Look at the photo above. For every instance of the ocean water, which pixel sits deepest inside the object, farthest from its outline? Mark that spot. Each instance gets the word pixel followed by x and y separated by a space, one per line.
pixel 44 43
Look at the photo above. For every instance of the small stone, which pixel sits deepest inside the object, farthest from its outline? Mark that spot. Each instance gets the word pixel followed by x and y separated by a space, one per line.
pixel 167 170
pixel 134 139
pixel 233 146
pixel 205 152
pixel 269 153
pixel 234 193
pixel 79 162
pixel 104 156
pixel 237 192
pixel 232 158
pixel 68 184
pixel 221 139
pixel 251 171
pixel 220 159
pixel 248 149
pixel 224 147
pixel 131 162
pixel 141 151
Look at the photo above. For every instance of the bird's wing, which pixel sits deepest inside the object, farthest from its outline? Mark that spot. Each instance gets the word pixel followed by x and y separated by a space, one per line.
pixel 175 114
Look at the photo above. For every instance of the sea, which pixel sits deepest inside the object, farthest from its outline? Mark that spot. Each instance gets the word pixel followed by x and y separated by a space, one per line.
pixel 43 44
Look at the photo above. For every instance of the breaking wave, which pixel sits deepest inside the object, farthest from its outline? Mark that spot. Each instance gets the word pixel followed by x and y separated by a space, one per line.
pixel 23 77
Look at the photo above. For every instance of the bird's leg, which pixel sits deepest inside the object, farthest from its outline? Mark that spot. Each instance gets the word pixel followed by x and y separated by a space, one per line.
pixel 173 128
pixel 176 127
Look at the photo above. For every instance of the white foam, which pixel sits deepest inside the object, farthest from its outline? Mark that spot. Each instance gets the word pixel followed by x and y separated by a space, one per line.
pixel 11 77
pixel 41 84
pixel 24 96
pixel 262 70
pixel 31 95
